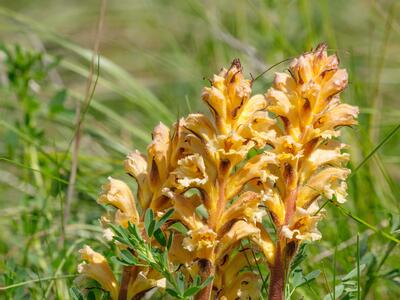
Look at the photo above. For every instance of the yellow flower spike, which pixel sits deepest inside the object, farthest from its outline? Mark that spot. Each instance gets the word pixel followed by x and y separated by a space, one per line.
pixel 255 104
pixel 136 166
pixel 200 126
pixel 96 267
pixel 118 194
pixel 310 163
pixel 180 255
pixel 260 129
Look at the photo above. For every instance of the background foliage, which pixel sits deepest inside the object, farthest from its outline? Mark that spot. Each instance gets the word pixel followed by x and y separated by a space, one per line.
pixel 156 56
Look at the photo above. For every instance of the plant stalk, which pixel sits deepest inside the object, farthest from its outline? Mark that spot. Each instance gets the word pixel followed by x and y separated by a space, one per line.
pixel 128 273
pixel 206 269
pixel 281 264
pixel 277 279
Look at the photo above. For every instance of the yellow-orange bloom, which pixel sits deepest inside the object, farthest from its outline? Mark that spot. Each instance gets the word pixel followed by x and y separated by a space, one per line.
pixel 118 194
pixel 97 268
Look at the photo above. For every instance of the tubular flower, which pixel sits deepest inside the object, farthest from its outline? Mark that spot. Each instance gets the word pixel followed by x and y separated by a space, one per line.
pixel 96 267
pixel 117 193
pixel 202 168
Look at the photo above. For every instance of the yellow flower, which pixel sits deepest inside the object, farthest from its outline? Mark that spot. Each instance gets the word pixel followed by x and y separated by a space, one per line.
pixel 118 194
pixel 191 171
pixel 97 268
pixel 144 281
pixel 136 166
pixel 201 240
pixel 158 156
pixel 245 286
pixel 303 225
pixel 328 182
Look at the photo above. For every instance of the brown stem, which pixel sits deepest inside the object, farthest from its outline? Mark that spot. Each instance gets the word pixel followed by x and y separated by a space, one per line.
pixel 277 279
pixel 127 274
pixel 290 205
pixel 206 269
pixel 281 264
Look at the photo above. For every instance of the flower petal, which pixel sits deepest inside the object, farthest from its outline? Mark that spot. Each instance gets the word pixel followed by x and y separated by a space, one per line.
pixel 97 268
pixel 118 194
pixel 158 154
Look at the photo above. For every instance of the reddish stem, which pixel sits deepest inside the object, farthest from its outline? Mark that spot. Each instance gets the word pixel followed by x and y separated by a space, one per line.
pixel 206 269
pixel 128 273
pixel 277 280
pixel 280 266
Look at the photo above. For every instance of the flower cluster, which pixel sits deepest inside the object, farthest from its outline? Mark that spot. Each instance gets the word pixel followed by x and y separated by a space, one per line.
pixel 202 169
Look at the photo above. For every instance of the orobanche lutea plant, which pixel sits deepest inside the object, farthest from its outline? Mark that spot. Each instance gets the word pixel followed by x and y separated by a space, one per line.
pixel 207 185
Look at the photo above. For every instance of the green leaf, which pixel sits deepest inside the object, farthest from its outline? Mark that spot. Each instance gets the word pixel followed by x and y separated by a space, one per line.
pixel 299 279
pixel 300 256
pixel 76 294
pixel 128 259
pixel 191 291
pixel 339 289
pixel 180 281
pixel 149 222
pixel 173 293
pixel 312 275
pixel 392 274
pixel 196 280
pixel 202 211
pixel 91 296
pixel 353 273
pixel 56 104
pixel 132 228
pixel 207 282
pixel 163 219
pixel 170 240
pixel 121 235
pixel 160 237
pixel 178 226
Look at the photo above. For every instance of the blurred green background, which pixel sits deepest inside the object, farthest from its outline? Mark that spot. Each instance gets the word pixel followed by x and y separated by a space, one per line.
pixel 156 57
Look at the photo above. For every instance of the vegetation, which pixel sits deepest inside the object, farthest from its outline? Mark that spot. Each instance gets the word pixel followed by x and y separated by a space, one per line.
pixel 69 118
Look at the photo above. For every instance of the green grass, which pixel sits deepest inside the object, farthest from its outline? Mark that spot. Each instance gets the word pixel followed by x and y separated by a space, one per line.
pixel 156 57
